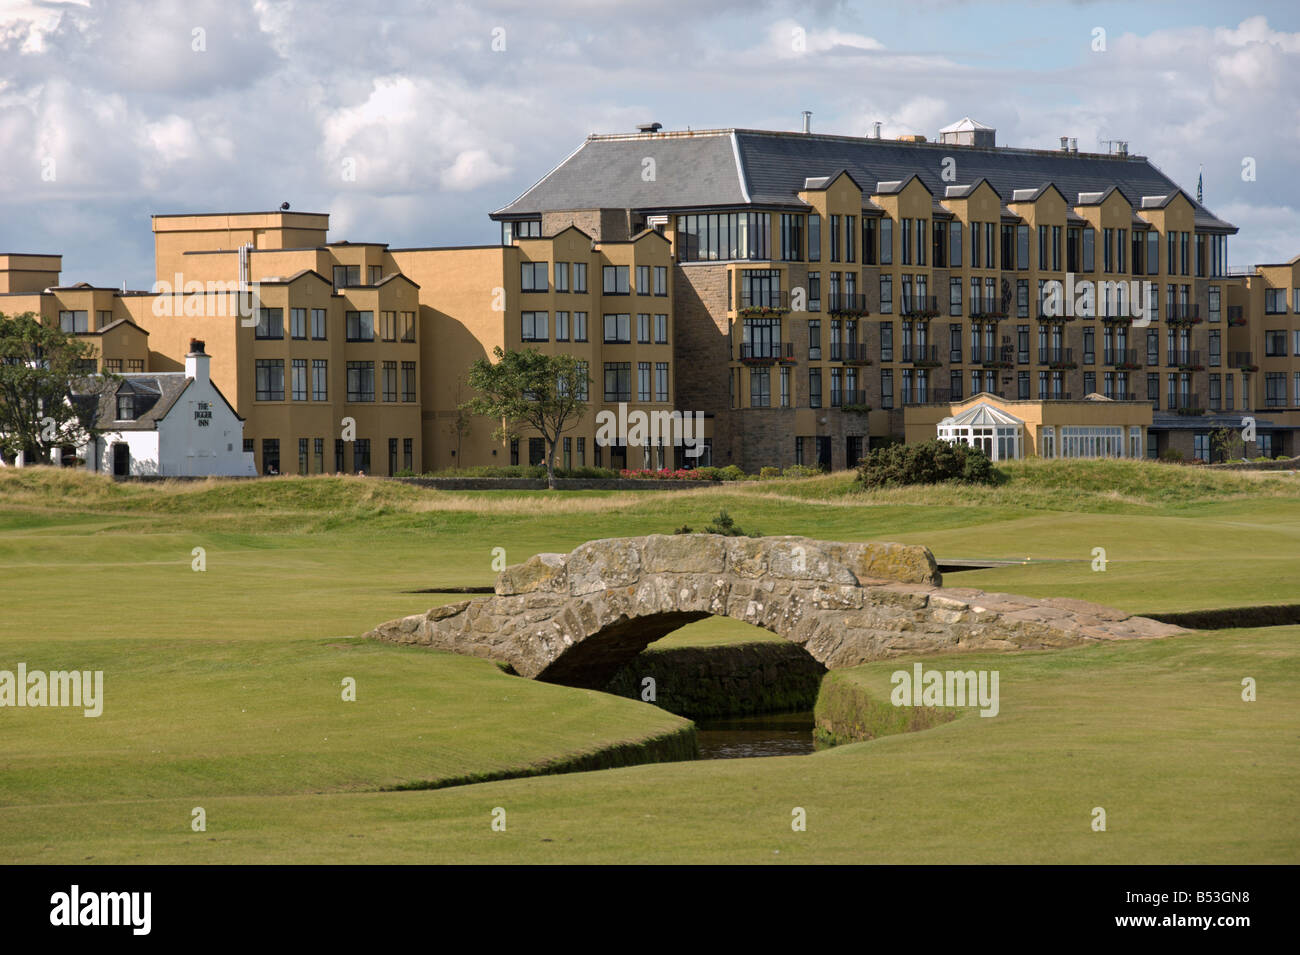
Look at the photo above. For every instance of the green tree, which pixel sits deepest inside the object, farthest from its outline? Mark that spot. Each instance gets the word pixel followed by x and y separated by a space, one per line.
pixel 39 365
pixel 526 389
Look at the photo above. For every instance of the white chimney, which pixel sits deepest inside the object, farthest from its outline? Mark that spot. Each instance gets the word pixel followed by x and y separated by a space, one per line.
pixel 807 121
pixel 877 124
pixel 197 362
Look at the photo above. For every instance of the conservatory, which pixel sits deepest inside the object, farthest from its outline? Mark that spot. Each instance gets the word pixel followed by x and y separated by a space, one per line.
pixel 996 433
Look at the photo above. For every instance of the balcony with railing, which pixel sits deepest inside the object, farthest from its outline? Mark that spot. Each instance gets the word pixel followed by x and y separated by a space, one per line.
pixel 1241 359
pixel 845 304
pixel 1059 359
pixel 1236 315
pixel 1185 404
pixel 762 301
pixel 920 306
pixel 927 396
pixel 1186 359
pixel 1125 359
pixel 853 353
pixel 851 400
pixel 766 353
pixel 1185 314
pixel 987 307
pixel 922 356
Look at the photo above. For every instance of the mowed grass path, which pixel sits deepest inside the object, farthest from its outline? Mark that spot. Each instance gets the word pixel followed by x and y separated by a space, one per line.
pixel 223 686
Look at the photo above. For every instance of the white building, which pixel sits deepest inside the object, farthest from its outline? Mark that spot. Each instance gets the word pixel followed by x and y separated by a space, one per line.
pixel 170 424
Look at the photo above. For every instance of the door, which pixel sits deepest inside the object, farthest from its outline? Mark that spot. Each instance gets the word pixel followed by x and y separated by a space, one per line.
pixel 824 452
pixel 121 460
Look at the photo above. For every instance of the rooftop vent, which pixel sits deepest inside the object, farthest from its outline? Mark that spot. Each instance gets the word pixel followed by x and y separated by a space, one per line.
pixel 807 121
pixel 876 127
pixel 968 132
pixel 650 127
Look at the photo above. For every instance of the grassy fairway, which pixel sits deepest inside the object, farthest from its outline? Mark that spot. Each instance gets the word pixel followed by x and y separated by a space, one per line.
pixel 223 687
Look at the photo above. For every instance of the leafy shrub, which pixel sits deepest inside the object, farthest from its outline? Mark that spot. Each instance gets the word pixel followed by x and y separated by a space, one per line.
pixel 684 529
pixel 801 471
pixel 732 473
pixel 932 462
pixel 767 474
pixel 1171 454
pixel 710 473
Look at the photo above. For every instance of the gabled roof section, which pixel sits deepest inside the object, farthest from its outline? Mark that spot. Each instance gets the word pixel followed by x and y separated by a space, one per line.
pixel 1097 198
pixel 605 172
pixel 296 277
pixel 396 277
pixel 1033 195
pixel 966 191
pixel 821 183
pixel 895 186
pixel 121 321
pixel 568 228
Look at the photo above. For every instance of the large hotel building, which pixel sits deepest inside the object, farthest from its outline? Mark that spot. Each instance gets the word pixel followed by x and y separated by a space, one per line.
pixel 809 294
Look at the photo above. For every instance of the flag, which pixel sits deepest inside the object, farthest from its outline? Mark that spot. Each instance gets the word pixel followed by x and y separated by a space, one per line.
pixel 1199 176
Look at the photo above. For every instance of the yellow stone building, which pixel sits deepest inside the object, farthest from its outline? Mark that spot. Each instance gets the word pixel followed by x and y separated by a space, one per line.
pixel 808 294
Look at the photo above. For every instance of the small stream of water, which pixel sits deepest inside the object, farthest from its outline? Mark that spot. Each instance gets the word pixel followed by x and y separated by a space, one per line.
pixel 764 734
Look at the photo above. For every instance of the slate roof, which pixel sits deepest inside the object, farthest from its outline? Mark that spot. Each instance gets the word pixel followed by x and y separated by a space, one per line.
pixel 165 388
pixel 738 167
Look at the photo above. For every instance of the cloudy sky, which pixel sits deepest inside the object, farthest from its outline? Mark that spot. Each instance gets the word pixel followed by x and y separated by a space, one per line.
pixel 111 110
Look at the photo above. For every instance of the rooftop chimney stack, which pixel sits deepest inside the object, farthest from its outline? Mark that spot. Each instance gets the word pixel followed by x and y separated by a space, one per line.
pixel 1065 144
pixel 807 121
pixel 197 362
pixel 1074 144
pixel 877 124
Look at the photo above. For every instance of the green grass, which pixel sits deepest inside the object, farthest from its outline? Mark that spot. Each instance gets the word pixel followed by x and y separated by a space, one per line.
pixel 223 687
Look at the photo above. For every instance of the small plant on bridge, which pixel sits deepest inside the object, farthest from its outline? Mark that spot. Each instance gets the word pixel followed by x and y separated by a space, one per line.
pixel 722 524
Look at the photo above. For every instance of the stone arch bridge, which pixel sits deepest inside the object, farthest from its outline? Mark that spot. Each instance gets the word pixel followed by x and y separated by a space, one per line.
pixel 577 618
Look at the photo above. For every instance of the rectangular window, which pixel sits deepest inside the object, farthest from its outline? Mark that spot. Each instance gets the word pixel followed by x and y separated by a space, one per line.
pixel 270 379
pixel 785 387
pixel 298 385
pixel 835 238
pixel 408 455
pixel 390 381
pixel 760 388
pixel 616 280
pixel 661 280
pixel 954 238
pixel 532 277
pixel 870 239
pixel 579 326
pixel 361 381
pixel 561 326
pixel 1215 309
pixel 814 339
pixel 814 387
pixel 661 380
pixel 921 242
pixel 318 455
pixel 561 276
pixel 661 329
pixel 643 280
pixel 360 326
pixel 347 276
pixel 408 381
pixel 886 241
pixel 535 327
pixel 1089 250
pixel 643 381
pixel 270 323
pixel 388 326
pixel 361 455
pixel 850 236
pixel 643 328
pixel 886 294
pixel 1274 301
pixel 339 464
pixel 318 324
pixel 298 323
pixel 886 388
pixel 320 380
pixel 618 329
pixel 886 341
pixel 580 278
pixel 904 241
pixel 1121 250
pixel 954 296
pixel 618 381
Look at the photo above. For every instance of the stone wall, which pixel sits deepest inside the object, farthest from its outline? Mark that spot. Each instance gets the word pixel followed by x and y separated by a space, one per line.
pixel 578 618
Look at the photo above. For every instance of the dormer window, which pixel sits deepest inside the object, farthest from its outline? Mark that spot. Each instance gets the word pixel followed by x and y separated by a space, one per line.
pixel 126 408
